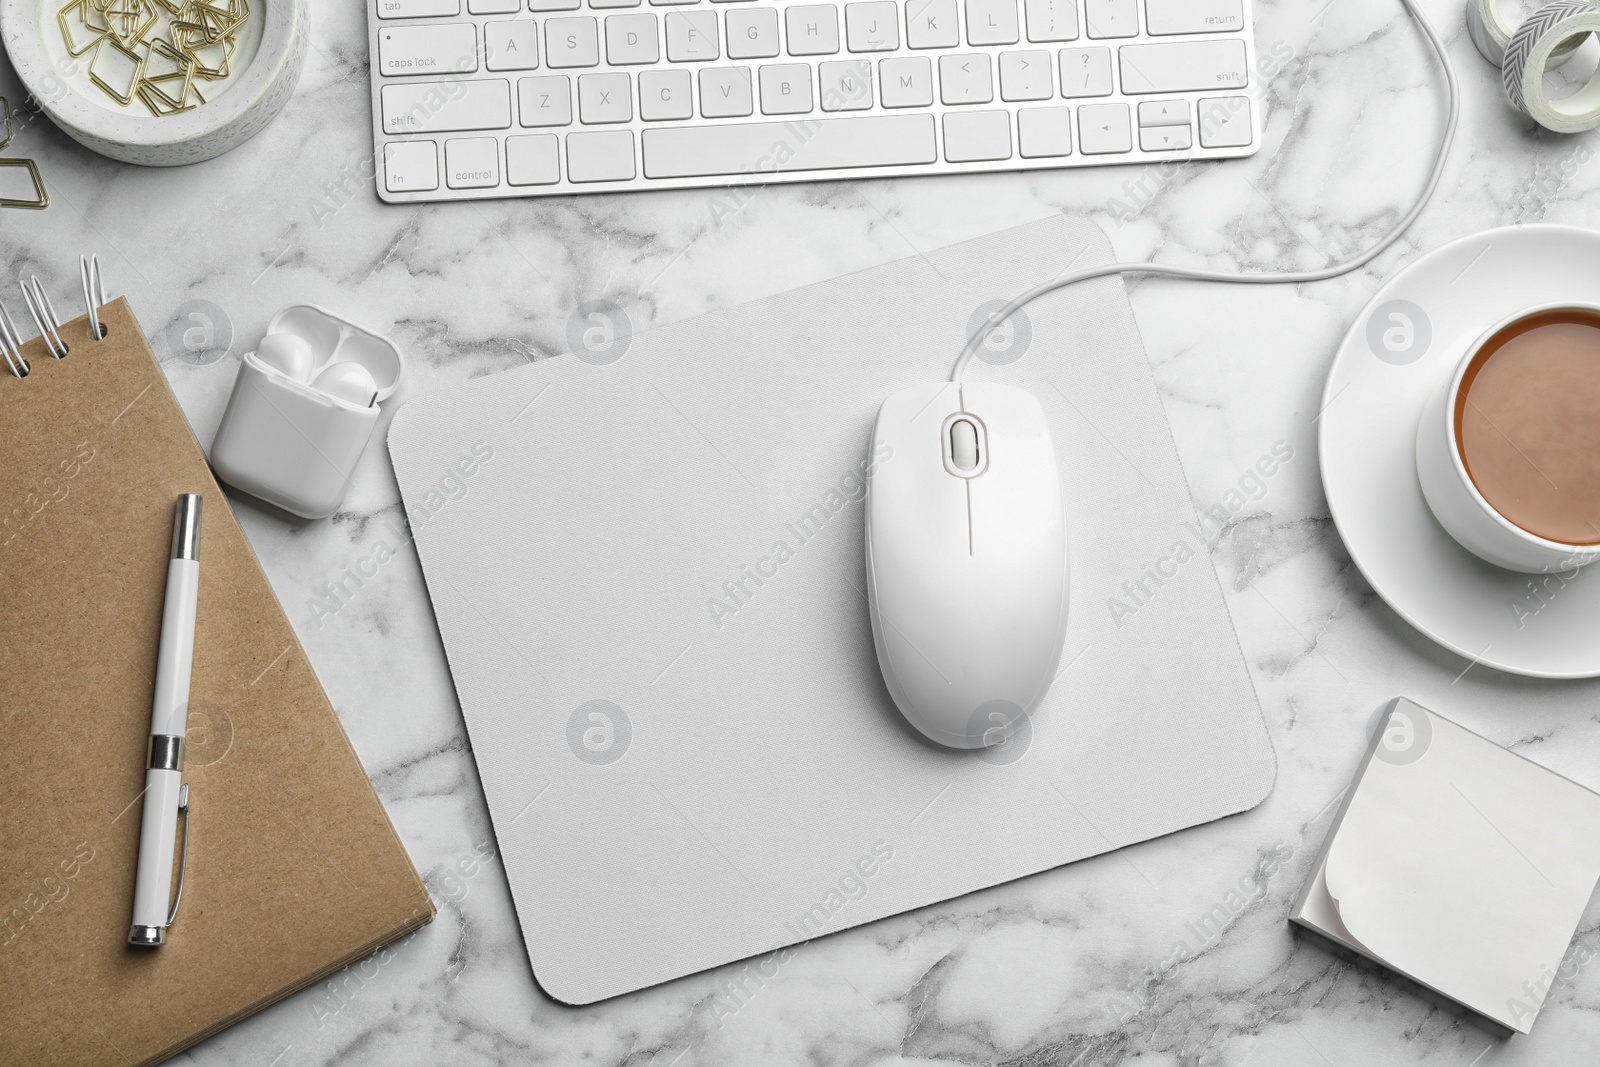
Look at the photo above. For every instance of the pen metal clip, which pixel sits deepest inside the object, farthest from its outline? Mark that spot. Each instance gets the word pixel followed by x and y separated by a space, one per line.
pixel 183 856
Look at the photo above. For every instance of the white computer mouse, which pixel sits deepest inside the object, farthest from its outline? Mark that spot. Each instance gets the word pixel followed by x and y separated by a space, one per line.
pixel 966 558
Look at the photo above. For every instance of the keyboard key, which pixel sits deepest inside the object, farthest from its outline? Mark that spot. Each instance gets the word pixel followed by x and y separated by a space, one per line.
pixel 872 27
pixel 692 36
pixel 1052 20
pixel 494 7
pixel 973 136
pixel 845 141
pixel 1164 113
pixel 572 42
pixel 1085 72
pixel 600 156
pixel 545 101
pixel 845 85
pixel 965 79
pixel 1111 18
pixel 1026 75
pixel 1044 132
pixel 552 5
pixel 812 29
pixel 511 45
pixel 472 162
pixel 785 88
pixel 992 22
pixel 932 24
pixel 605 97
pixel 432 107
pixel 1179 66
pixel 752 33
pixel 410 166
pixel 1103 129
pixel 1162 17
pixel 417 9
pixel 672 3
pixel 604 5
pixel 1164 138
pixel 531 159
pixel 725 92
pixel 449 48
pixel 631 39
pixel 1224 121
pixel 905 81
pixel 665 95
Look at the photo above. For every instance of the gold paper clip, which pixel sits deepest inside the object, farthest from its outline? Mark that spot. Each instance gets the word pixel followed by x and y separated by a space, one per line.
pixel 138 61
pixel 85 9
pixel 41 199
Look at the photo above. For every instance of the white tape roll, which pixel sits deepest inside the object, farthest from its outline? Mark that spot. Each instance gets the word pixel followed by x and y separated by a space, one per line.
pixel 1528 57
pixel 1491 32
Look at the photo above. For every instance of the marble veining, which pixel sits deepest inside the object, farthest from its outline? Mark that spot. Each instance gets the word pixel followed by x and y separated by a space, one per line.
pixel 1171 952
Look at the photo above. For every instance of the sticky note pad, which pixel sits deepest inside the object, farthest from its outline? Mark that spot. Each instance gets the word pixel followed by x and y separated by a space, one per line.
pixel 1458 864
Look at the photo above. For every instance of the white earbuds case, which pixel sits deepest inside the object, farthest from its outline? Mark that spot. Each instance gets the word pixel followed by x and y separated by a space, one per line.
pixel 296 426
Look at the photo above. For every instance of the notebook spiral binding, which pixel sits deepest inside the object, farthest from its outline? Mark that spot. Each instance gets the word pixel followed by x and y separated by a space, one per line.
pixel 43 313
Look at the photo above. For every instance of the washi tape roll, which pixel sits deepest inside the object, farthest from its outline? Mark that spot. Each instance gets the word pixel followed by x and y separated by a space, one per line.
pixel 1491 32
pixel 1528 57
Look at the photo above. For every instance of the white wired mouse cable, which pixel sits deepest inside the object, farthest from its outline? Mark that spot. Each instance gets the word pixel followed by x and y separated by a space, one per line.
pixel 1263 278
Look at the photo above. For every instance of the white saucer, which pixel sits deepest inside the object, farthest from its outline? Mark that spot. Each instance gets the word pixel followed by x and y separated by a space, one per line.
pixel 1367 442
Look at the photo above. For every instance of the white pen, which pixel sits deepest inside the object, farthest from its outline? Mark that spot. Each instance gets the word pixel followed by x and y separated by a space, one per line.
pixel 165 795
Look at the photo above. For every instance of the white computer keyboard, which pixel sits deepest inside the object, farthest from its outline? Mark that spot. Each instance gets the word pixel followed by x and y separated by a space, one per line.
pixel 487 98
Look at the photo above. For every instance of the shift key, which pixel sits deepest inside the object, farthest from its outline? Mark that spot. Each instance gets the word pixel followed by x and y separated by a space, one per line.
pixel 1181 66
pixel 432 107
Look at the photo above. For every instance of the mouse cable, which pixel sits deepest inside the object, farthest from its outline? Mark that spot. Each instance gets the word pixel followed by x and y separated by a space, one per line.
pixel 1262 278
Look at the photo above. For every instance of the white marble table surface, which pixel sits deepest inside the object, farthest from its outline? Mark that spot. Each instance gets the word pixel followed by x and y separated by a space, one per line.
pixel 1062 968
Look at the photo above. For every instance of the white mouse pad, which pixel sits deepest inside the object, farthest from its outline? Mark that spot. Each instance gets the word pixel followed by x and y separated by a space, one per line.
pixel 647 569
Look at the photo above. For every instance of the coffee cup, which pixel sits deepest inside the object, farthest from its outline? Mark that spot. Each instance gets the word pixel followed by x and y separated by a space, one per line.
pixel 1508 448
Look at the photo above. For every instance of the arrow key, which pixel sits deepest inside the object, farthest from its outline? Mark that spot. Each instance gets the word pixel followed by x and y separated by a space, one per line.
pixel 1164 138
pixel 1164 113
pixel 1104 129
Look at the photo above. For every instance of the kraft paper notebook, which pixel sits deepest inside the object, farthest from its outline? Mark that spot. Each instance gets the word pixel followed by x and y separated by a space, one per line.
pixel 676 785
pixel 293 869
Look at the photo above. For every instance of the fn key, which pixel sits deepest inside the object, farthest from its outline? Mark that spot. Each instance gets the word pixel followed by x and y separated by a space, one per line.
pixel 410 166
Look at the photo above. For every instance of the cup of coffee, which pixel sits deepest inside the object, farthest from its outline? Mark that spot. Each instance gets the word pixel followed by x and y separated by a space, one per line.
pixel 1508 449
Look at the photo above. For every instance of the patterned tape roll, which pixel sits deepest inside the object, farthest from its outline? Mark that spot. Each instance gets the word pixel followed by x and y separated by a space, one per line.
pixel 1491 32
pixel 1528 57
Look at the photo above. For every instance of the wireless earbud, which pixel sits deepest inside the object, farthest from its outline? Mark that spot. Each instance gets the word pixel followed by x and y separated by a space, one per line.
pixel 287 354
pixel 350 382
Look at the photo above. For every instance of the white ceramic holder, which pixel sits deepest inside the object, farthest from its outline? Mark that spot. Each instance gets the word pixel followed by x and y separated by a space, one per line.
pixel 289 442
pixel 243 106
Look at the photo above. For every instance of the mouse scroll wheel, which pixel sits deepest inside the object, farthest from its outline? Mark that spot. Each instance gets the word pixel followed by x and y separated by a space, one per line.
pixel 964 445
